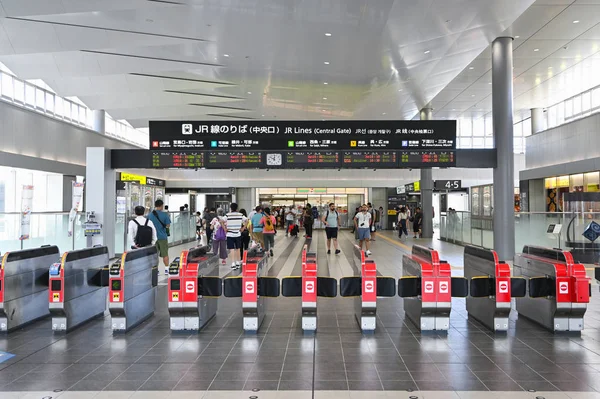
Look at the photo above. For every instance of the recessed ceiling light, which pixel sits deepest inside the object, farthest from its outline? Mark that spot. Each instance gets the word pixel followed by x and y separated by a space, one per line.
pixel 427 52
pixel 326 63
pixel 225 55
pixel 383 113
pixel 549 67
pixel 471 67
pixel 399 89
pixel 249 92
pixel 325 83
pixel 536 49
pixel 489 83
pixel 516 37
pixel 262 115
pixel 327 34
pixel 472 95
pixel 323 110
pixel 324 98
pixel 453 109
pixel 576 21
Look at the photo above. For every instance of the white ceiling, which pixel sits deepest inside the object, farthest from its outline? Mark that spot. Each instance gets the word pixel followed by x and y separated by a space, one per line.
pixel 566 62
pixel 209 59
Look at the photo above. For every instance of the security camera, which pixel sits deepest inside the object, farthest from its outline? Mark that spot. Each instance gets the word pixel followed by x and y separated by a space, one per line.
pixel 410 169
pixel 231 169
pixel 195 169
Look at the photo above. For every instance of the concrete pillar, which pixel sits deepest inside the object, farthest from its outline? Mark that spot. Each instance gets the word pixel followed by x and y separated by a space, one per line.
pixel 99 121
pixel 537 120
pixel 502 112
pixel 101 188
pixel 426 114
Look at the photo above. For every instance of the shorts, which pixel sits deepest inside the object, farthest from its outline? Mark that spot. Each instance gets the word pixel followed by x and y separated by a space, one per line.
pixel 234 242
pixel 364 233
pixel 163 248
pixel 331 232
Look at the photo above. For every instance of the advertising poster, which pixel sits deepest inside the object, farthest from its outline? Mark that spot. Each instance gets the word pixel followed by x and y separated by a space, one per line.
pixel 26 203
pixel 76 199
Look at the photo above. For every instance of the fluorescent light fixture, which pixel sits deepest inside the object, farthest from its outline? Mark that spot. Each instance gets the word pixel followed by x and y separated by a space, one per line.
pixel 249 92
pixel 536 49
pixel 326 63
pixel 324 98
pixel 516 37
pixel 225 55
pixel 427 52
pixel 327 34
pixel 576 21
pixel 325 83
pixel 471 68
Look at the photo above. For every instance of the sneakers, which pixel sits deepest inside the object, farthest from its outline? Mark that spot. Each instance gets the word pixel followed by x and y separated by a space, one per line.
pixel 337 251
pixel 329 252
pixel 271 252
pixel 224 261
pixel 368 253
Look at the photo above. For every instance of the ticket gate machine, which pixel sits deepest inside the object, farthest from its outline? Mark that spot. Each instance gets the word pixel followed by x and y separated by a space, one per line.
pixel 24 286
pixel 132 290
pixel 309 287
pixel 253 286
pixel 78 287
pixel 491 288
pixel 365 289
pixel 194 288
pixel 559 288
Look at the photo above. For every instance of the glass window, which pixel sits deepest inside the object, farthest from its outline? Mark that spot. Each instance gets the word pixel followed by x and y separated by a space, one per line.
pixel 576 105
pixel 518 129
pixel 586 101
pixel 550 182
pixel 82 115
pixel 59 107
pixel 568 108
pixel 560 114
pixel 489 126
pixel 576 183
pixel 489 142
pixel 478 142
pixel 40 99
pixel 74 112
pixel 518 145
pixel 29 95
pixel 464 142
pixel 49 102
pixel 19 91
pixel 479 127
pixel 7 86
pixel 527 127
pixel 591 182
pixel 551 116
pixel 466 127
pixel 596 98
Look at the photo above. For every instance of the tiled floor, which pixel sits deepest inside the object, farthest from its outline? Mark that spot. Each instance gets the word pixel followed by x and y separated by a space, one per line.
pixel 467 362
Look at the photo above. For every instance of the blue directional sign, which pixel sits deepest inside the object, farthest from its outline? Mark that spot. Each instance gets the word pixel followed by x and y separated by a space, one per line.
pixel 592 231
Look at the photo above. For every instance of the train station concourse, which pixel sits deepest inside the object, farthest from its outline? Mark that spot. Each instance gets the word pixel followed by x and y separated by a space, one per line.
pixel 291 199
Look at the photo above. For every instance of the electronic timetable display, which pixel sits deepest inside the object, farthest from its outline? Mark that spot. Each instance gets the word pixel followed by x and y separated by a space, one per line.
pixel 312 159
pixel 370 159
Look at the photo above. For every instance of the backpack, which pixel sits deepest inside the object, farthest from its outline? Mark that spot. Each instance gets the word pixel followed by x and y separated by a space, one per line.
pixel 336 214
pixel 268 227
pixel 143 237
pixel 220 234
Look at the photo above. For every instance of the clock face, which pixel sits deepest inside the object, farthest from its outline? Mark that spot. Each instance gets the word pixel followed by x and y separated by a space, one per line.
pixel 274 160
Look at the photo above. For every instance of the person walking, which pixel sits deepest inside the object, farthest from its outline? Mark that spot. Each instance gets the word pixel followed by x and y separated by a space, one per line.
pixel 141 231
pixel 162 223
pixel 269 222
pixel 236 223
pixel 331 221
pixel 373 212
pixel 257 227
pixel 362 223
pixel 381 217
pixel 417 222
pixel 219 241
pixel 208 218
pixel 402 222
pixel 199 223
pixel 308 222
pixel 245 236
pixel 290 218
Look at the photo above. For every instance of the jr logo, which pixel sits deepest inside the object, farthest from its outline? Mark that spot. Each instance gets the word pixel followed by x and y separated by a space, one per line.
pixel 250 287
pixel 503 287
pixel 563 287
pixel 309 287
pixel 443 287
pixel 189 287
pixel 429 287
pixel 369 286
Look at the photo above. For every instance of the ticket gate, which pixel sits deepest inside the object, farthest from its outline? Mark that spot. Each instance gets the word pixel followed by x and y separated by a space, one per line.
pixel 78 287
pixel 194 287
pixel 24 286
pixel 365 289
pixel 559 288
pixel 427 288
pixel 309 286
pixel 253 286
pixel 491 288
pixel 132 290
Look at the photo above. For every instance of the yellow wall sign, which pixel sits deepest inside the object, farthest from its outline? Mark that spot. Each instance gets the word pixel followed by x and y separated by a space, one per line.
pixel 131 177
pixel 417 186
pixel 392 212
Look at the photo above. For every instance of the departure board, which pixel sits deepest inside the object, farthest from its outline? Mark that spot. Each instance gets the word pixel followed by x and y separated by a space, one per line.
pixel 370 159
pixel 312 159
pixel 233 159
pixel 423 159
pixel 177 160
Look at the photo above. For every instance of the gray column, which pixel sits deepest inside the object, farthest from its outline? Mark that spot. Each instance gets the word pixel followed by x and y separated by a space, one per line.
pixel 427 187
pixel 99 121
pixel 537 120
pixel 504 181
pixel 101 189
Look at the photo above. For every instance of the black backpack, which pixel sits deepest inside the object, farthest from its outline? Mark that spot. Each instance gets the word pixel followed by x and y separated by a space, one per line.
pixel 143 237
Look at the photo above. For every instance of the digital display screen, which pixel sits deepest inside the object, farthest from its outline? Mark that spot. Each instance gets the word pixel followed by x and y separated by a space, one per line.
pixel 56 285
pixel 116 285
pixel 178 160
pixel 417 159
pixel 115 269
pixel 233 159
pixel 370 159
pixel 550 229
pixel 175 285
pixel 303 135
pixel 312 159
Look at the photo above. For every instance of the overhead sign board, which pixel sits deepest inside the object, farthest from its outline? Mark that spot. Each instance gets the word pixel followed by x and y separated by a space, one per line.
pixel 447 185
pixel 303 135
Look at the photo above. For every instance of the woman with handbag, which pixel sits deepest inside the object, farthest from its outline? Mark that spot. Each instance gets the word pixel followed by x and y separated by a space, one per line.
pixel 219 242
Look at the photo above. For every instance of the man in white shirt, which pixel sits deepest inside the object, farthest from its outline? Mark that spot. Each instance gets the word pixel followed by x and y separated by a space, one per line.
pixel 235 223
pixel 143 226
pixel 362 222
pixel 290 219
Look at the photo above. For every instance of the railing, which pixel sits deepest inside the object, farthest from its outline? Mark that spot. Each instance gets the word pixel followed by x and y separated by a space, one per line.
pixel 530 229
pixel 30 96
pixel 51 228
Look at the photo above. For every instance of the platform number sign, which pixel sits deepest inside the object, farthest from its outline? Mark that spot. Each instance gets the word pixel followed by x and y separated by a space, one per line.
pixel 447 185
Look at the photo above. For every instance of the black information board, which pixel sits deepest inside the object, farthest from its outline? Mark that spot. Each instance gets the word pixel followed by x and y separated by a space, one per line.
pixel 312 159
pixel 447 185
pixel 233 159
pixel 423 159
pixel 302 135
pixel 177 160
pixel 370 159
